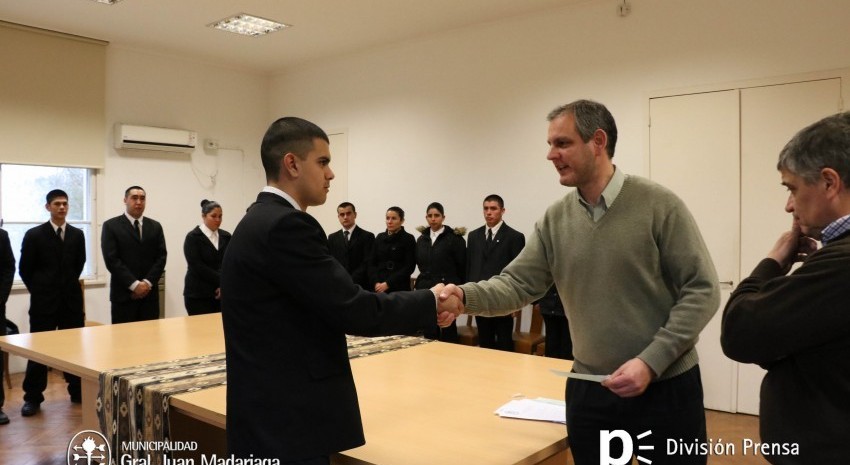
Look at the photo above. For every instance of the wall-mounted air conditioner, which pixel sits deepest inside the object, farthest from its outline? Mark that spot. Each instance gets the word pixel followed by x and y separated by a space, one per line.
pixel 128 136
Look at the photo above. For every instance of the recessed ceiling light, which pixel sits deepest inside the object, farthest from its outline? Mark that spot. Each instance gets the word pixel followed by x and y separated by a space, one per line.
pixel 248 25
pixel 108 2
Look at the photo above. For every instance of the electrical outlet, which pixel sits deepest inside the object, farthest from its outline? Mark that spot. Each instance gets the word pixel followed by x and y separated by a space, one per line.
pixel 211 144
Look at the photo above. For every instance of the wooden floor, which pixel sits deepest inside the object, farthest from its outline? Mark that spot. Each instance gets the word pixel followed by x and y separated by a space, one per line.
pixel 43 439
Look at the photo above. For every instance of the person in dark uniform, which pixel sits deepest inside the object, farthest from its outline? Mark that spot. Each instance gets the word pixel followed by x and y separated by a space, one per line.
pixel 490 248
pixel 204 248
pixel 393 256
pixel 441 258
pixel 133 247
pixel 7 275
pixel 352 245
pixel 559 344
pixel 53 255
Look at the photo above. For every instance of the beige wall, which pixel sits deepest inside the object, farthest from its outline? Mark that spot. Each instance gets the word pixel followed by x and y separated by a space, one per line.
pixel 459 115
pixel 451 117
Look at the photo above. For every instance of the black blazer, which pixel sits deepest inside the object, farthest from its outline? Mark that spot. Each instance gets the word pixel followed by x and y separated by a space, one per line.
pixel 130 259
pixel 354 256
pixel 204 263
pixel 482 263
pixel 51 267
pixel 393 260
pixel 7 275
pixel 444 261
pixel 286 307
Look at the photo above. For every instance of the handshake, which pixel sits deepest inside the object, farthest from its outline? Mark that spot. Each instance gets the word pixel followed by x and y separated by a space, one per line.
pixel 449 303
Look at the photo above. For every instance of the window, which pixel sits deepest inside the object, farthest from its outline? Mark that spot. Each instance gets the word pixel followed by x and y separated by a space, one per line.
pixel 22 198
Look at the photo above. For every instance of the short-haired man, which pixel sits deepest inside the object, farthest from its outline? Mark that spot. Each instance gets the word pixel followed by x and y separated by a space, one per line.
pixel 133 248
pixel 287 306
pixel 489 250
pixel 637 284
pixel 797 325
pixel 352 245
pixel 7 275
pixel 53 255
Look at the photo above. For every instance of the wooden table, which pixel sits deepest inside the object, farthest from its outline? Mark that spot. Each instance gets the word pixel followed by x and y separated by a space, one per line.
pixel 429 404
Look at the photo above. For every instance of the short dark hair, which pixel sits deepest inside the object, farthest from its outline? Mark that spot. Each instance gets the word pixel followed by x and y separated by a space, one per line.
pixel 824 144
pixel 589 116
pixel 208 205
pixel 495 198
pixel 346 205
pixel 54 194
pixel 288 135
pixel 438 206
pixel 127 192
pixel 397 210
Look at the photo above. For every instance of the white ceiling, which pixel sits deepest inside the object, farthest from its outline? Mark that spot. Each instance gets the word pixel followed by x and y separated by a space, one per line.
pixel 322 28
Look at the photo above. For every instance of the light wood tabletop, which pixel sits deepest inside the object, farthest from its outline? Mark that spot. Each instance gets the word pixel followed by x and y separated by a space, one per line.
pixel 427 404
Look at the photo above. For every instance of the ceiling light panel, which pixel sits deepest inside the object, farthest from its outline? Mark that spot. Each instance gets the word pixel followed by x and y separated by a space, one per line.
pixel 248 25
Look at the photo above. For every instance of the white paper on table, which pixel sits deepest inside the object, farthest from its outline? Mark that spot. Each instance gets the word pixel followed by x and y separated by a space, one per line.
pixel 535 409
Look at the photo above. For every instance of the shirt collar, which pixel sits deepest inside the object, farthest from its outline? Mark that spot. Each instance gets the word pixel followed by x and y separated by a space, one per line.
pixel 132 220
pixel 835 229
pixel 350 230
pixel 435 234
pixel 287 197
pixel 494 228
pixel 611 191
pixel 207 231
pixel 54 225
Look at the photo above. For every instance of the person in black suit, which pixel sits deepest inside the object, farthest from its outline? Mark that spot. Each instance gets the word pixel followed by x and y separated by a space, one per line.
pixel 352 245
pixel 287 305
pixel 393 256
pixel 490 248
pixel 52 259
pixel 204 248
pixel 7 275
pixel 559 344
pixel 441 258
pixel 133 248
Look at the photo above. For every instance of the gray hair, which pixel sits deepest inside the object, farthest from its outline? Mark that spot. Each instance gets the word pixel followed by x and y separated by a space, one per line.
pixel 589 116
pixel 824 144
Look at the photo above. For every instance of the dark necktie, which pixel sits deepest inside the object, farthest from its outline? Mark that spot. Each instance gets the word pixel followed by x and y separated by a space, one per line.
pixel 59 233
pixel 346 234
pixel 489 244
pixel 138 229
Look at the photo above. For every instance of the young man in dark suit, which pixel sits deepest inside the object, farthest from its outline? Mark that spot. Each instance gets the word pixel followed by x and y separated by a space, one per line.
pixel 133 248
pixel 352 245
pixel 7 275
pixel 52 259
pixel 287 305
pixel 489 249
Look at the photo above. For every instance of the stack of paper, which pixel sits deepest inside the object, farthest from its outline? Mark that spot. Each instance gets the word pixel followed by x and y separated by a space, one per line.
pixel 535 409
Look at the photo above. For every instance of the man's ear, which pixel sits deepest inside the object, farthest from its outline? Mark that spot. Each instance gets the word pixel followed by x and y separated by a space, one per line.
pixel 289 164
pixel 832 182
pixel 600 139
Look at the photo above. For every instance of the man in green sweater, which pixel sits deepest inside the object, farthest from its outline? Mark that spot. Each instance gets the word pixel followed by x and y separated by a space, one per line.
pixel 637 284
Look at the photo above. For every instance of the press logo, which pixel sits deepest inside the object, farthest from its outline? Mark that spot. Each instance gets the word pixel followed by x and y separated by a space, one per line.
pixel 605 438
pixel 88 448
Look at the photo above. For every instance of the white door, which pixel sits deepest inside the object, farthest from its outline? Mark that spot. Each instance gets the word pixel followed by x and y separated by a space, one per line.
pixel 695 154
pixel 770 116
pixel 741 201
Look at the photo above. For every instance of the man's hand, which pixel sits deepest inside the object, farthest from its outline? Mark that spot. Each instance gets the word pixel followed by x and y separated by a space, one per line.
pixel 448 308
pixel 791 247
pixel 631 379
pixel 381 287
pixel 141 290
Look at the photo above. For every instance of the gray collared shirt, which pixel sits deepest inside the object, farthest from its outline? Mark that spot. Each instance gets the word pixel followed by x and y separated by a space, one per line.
pixel 609 194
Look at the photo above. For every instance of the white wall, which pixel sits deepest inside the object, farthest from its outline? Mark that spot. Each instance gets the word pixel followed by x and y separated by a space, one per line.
pixel 156 90
pixel 457 116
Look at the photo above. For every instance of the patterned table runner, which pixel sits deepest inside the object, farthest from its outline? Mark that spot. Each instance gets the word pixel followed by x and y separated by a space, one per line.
pixel 132 403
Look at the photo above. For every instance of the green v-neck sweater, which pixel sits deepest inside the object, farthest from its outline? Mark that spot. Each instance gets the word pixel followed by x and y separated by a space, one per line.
pixel 637 283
